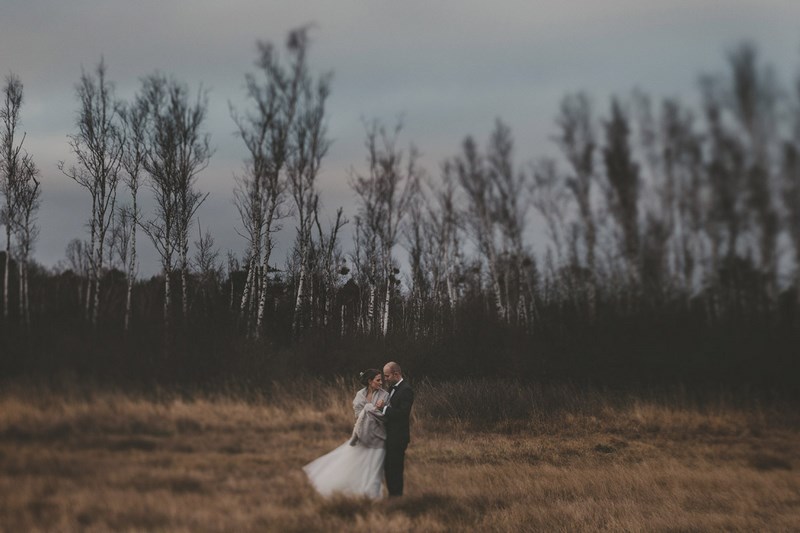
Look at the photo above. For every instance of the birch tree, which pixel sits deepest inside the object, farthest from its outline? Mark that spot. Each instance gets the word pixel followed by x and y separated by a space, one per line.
pixel 28 194
pixel 445 228
pixel 260 193
pixel 98 147
pixel 509 208
pixel 177 150
pixel 193 156
pixel 11 157
pixel 160 163
pixel 752 100
pixel 331 262
pixel 135 119
pixel 790 186
pixel 384 196
pixel 478 215
pixel 681 147
pixel 309 144
pixel 577 140
pixel 623 189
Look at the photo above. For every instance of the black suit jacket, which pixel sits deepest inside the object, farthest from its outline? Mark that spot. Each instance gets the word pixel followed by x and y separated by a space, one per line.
pixel 397 415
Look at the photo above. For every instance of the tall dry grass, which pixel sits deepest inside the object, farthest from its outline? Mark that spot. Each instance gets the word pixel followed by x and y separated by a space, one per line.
pixel 487 456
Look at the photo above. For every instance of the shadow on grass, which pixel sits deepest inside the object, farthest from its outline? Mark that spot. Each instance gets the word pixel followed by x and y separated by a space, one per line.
pixel 447 509
pixel 766 462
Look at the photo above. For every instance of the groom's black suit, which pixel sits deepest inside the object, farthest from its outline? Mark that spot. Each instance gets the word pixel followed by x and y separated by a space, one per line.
pixel 398 436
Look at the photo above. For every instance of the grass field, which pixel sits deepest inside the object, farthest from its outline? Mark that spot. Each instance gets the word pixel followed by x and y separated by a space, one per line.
pixel 484 456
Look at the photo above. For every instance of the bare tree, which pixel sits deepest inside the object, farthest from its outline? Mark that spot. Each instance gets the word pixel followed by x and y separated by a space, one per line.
pixel 177 150
pixel 681 162
pixel 478 216
pixel 623 188
pixel 752 100
pixel 577 140
pixel 365 260
pixel 77 255
pixel 309 142
pixel 11 168
pixel 510 210
pixel 194 153
pixel 659 197
pixel 727 216
pixel 790 187
pixel 135 120
pixel 791 202
pixel 384 195
pixel 261 192
pixel 160 163
pixel 445 226
pixel 27 193
pixel 98 148
pixel 232 266
pixel 330 262
pixel 207 265
pixel 549 198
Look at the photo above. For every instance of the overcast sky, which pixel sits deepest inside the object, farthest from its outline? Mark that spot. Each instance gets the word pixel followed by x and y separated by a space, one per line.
pixel 449 67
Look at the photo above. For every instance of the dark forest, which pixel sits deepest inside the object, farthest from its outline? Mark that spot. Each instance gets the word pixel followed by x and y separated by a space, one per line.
pixel 670 237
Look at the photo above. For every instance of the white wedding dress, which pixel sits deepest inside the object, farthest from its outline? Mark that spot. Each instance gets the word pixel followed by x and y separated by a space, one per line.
pixel 356 467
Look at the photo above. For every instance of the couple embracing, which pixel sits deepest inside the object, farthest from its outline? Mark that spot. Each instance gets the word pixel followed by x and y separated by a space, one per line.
pixel 377 448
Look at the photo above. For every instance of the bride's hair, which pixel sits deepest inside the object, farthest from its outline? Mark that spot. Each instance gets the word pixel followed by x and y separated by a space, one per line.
pixel 368 375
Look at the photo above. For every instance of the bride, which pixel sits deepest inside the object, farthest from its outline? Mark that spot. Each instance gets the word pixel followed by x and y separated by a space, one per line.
pixel 356 467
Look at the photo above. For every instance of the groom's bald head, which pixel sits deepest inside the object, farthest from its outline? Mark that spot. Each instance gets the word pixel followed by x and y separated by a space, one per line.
pixel 392 373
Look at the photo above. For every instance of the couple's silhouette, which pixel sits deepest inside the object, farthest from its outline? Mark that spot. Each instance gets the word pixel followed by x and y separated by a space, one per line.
pixel 377 447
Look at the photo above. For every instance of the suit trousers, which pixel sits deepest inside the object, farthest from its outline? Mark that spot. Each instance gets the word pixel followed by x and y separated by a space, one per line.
pixel 393 466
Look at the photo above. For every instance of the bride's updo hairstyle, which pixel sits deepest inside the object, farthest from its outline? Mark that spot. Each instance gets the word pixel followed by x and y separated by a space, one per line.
pixel 368 375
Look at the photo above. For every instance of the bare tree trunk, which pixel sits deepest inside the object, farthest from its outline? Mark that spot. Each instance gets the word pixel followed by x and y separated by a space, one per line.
pixel 386 302
pixel 87 297
pixel 5 273
pixel 97 274
pixel 371 308
pixel 98 147
pixel 167 297
pixel 262 301
pixel 92 263
pixel 498 291
pixel 27 315
pixel 184 282
pixel 21 289
pixel 246 291
pixel 298 304
pixel 313 297
pixel 131 271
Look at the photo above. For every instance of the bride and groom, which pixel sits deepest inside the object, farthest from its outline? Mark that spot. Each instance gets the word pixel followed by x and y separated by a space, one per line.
pixel 378 444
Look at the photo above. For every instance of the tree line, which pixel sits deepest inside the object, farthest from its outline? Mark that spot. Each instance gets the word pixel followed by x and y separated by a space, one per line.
pixel 673 231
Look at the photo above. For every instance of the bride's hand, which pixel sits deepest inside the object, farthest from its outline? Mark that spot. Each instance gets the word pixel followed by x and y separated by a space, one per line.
pixel 380 404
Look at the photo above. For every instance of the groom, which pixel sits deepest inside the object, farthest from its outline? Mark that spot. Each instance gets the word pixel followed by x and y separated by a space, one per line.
pixel 397 411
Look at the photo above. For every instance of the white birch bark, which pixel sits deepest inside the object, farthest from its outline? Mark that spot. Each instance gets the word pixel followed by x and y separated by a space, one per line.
pixel 298 304
pixel 5 273
pixel 246 291
pixel 131 270
pixel 262 301
pixel 386 302
pixel 184 281
pixel 167 297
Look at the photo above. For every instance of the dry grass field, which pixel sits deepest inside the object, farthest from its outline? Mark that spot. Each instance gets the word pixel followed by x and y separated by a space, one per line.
pixel 485 457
